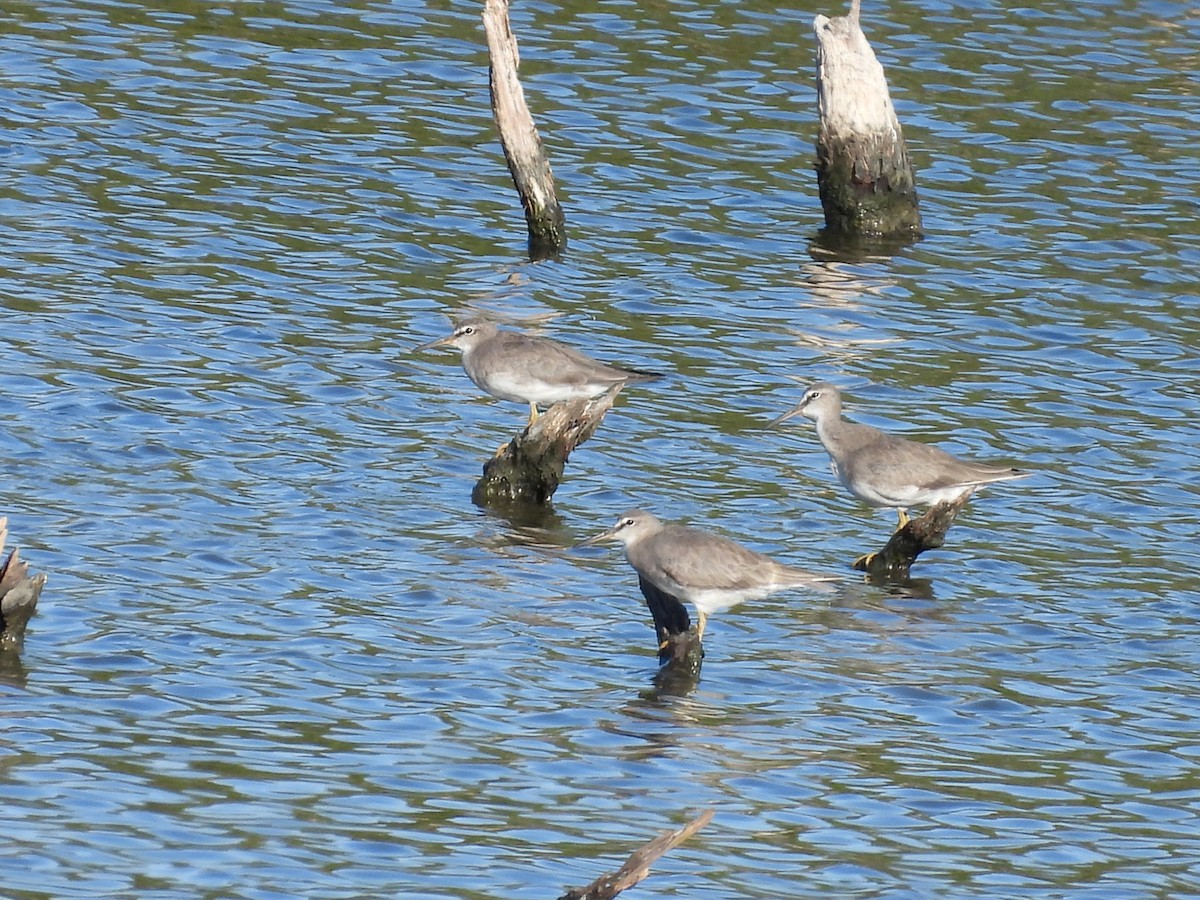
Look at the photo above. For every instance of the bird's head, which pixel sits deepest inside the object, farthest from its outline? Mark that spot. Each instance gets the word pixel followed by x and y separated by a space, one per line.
pixel 465 337
pixel 631 527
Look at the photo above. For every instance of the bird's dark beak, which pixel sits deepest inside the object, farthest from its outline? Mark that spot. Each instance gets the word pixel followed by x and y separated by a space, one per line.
pixel 601 538
pixel 791 413
pixel 436 342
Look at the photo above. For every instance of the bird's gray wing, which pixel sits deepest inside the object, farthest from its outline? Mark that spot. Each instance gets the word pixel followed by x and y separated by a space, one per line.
pixel 967 473
pixel 702 560
pixel 550 361
pixel 891 460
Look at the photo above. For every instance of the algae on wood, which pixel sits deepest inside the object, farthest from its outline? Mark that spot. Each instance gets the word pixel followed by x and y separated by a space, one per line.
pixel 530 467
pixel 893 562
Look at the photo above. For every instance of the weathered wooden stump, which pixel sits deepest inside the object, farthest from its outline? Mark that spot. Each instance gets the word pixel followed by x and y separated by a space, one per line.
pixel 19 593
pixel 928 532
pixel 678 646
pixel 527 162
pixel 637 867
pixel 530 466
pixel 864 175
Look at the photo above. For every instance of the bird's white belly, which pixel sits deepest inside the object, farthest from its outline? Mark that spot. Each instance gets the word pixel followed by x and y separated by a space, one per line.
pixel 867 492
pixel 509 386
pixel 710 600
pixel 898 496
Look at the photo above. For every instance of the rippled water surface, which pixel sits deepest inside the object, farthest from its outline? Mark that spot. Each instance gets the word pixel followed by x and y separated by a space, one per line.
pixel 281 653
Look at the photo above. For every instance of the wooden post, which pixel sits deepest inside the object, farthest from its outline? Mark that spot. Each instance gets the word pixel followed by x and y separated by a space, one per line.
pixel 893 562
pixel 863 173
pixel 529 468
pixel 527 163
pixel 678 646
pixel 19 593
pixel 638 865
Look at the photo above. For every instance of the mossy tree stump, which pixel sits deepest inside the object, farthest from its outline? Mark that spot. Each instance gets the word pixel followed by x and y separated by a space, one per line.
pixel 19 593
pixel 529 468
pixel 678 646
pixel 864 176
pixel 895 559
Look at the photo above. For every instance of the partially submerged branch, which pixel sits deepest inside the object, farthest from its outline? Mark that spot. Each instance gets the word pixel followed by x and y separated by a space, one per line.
pixel 529 468
pixel 19 593
pixel 637 867
pixel 893 562
pixel 527 162
pixel 864 175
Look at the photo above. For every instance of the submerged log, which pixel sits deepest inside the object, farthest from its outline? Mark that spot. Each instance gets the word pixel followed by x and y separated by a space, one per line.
pixel 527 162
pixel 894 561
pixel 864 175
pixel 19 593
pixel 637 867
pixel 678 645
pixel 528 469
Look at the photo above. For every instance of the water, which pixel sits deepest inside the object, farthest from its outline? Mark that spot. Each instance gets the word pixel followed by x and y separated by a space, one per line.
pixel 280 652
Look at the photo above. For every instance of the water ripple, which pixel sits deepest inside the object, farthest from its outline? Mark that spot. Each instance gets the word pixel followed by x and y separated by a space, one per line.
pixel 280 652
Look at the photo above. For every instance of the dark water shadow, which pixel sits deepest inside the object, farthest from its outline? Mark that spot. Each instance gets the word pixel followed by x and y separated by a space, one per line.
pixel 832 246
pixel 526 516
pixel 535 525
pixel 12 670
pixel 910 588
pixel 673 679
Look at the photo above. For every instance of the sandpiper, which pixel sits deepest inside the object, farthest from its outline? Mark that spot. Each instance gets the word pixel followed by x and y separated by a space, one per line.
pixel 709 571
pixel 883 469
pixel 539 371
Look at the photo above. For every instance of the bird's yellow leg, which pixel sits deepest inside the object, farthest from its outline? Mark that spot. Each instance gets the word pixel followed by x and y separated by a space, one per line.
pixel 902 518
pixel 701 621
pixel 864 561
pixel 533 413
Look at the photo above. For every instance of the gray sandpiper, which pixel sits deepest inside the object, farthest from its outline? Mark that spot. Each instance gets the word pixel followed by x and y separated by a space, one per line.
pixel 539 371
pixel 883 469
pixel 709 571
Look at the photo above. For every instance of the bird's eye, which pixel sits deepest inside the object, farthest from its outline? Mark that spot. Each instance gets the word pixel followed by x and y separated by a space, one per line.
pixel 626 522
pixel 468 329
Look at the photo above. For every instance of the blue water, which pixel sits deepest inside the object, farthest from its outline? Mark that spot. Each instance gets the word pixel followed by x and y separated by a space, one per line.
pixel 281 653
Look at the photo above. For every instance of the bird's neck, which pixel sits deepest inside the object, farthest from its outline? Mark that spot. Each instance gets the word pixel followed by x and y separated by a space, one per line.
pixel 827 430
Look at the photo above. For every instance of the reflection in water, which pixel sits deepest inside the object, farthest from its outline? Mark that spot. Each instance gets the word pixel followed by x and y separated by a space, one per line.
pixel 837 282
pixel 530 524
pixel 663 717
pixel 833 288
pixel 12 670
pixel 841 248
pixel 674 680
pixel 912 588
